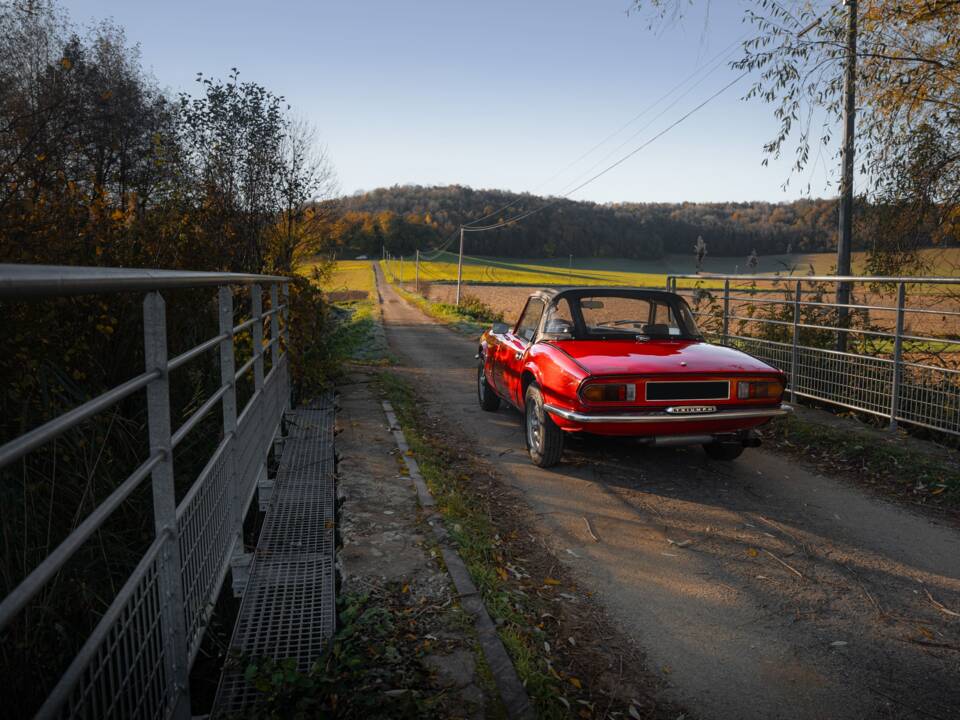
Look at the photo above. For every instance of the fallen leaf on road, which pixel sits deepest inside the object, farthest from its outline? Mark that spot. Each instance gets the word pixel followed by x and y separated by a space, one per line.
pixel 550 581
pixel 575 682
pixel 752 552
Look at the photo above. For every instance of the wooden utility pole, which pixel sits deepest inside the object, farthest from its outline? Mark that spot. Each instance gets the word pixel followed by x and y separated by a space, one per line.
pixel 844 239
pixel 460 266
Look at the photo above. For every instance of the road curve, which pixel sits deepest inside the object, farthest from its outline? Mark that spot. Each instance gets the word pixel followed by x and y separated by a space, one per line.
pixel 758 588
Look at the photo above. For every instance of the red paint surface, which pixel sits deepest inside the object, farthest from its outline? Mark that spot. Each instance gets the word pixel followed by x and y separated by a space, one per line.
pixel 559 367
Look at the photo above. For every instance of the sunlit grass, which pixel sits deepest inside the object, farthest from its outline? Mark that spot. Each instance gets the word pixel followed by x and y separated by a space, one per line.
pixel 350 275
pixel 635 273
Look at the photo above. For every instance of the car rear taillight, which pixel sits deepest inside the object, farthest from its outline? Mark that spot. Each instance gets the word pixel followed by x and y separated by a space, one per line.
pixel 609 392
pixel 759 389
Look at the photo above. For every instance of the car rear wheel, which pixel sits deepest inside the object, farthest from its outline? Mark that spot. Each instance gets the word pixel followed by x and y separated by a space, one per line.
pixel 544 438
pixel 723 451
pixel 488 399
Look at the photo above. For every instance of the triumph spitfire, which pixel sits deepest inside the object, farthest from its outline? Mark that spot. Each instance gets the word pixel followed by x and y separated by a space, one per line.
pixel 626 362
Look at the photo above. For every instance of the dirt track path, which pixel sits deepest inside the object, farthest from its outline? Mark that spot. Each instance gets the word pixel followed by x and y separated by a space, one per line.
pixel 759 589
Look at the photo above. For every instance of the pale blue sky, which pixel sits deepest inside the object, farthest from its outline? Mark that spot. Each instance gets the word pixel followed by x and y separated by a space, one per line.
pixel 486 93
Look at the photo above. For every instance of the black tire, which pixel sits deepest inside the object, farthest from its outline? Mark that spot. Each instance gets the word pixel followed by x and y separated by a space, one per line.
pixel 489 400
pixel 544 438
pixel 723 451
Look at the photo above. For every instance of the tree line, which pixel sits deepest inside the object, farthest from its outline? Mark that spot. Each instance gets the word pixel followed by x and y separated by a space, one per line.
pixel 403 218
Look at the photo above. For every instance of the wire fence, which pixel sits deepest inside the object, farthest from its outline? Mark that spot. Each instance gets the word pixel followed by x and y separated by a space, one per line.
pixel 136 662
pixel 893 351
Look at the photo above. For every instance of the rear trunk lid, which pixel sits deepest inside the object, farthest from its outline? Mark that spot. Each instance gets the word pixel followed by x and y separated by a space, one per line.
pixel 644 357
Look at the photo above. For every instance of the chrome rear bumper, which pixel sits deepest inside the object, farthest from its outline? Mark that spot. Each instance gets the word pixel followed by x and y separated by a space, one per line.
pixel 661 417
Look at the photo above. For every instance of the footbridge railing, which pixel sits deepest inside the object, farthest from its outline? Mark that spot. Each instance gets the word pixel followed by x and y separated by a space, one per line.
pixel 136 662
pixel 892 351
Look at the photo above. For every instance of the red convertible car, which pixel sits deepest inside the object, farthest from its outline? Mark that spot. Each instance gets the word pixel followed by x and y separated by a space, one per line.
pixel 614 361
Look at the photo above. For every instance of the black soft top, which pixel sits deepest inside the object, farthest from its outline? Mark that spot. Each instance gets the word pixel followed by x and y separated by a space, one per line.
pixel 552 294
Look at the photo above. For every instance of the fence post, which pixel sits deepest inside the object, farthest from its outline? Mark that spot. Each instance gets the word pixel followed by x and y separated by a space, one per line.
pixel 274 326
pixel 795 343
pixel 285 334
pixel 239 563
pixel 726 311
pixel 416 275
pixel 897 356
pixel 169 579
pixel 256 312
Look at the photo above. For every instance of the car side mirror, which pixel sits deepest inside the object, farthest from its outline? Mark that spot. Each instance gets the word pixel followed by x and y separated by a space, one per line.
pixel 500 328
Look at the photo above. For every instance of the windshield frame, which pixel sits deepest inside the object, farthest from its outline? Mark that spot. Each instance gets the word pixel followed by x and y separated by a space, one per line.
pixel 678 306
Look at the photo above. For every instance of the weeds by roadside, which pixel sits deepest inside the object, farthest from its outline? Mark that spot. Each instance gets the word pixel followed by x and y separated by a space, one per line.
pixel 374 668
pixel 471 317
pixel 571 662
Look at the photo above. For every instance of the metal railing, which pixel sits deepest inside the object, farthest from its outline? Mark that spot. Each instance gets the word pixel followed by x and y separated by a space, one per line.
pixel 887 368
pixel 136 662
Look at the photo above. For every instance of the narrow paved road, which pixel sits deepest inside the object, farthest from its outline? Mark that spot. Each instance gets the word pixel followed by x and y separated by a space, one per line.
pixel 759 589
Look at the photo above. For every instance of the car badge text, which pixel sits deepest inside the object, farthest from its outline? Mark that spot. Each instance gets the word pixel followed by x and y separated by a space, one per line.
pixel 691 409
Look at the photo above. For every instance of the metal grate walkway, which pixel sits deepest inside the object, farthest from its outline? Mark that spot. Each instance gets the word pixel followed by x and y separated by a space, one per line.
pixel 288 606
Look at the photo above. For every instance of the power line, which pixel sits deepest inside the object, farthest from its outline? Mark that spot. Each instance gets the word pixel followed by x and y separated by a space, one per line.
pixel 619 162
pixel 656 117
pixel 720 56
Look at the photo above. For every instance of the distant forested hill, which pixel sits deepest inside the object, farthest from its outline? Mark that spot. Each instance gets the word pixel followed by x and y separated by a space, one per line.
pixel 407 217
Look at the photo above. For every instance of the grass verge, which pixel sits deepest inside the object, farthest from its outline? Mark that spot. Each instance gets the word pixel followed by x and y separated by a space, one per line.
pixel 471 317
pixel 359 334
pixel 562 648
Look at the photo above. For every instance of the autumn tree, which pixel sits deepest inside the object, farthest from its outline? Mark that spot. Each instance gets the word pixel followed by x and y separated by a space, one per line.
pixel 908 97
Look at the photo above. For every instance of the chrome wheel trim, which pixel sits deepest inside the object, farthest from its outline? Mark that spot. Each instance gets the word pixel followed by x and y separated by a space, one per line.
pixel 481 383
pixel 534 427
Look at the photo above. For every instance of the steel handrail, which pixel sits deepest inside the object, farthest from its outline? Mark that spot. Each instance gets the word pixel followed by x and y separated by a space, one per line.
pixel 201 412
pixel 177 651
pixel 197 351
pixel 51 564
pixel 22 281
pixel 33 439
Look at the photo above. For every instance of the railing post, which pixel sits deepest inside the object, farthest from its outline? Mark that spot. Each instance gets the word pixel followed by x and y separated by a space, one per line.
pixel 285 334
pixel 795 343
pixel 256 312
pixel 667 288
pixel 416 274
pixel 169 578
pixel 274 327
pixel 897 356
pixel 726 311
pixel 239 562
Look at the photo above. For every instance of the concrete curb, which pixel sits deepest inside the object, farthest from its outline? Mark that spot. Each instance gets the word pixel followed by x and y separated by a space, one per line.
pixel 512 692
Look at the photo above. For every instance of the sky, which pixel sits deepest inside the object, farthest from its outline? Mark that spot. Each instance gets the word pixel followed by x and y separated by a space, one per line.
pixel 490 94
